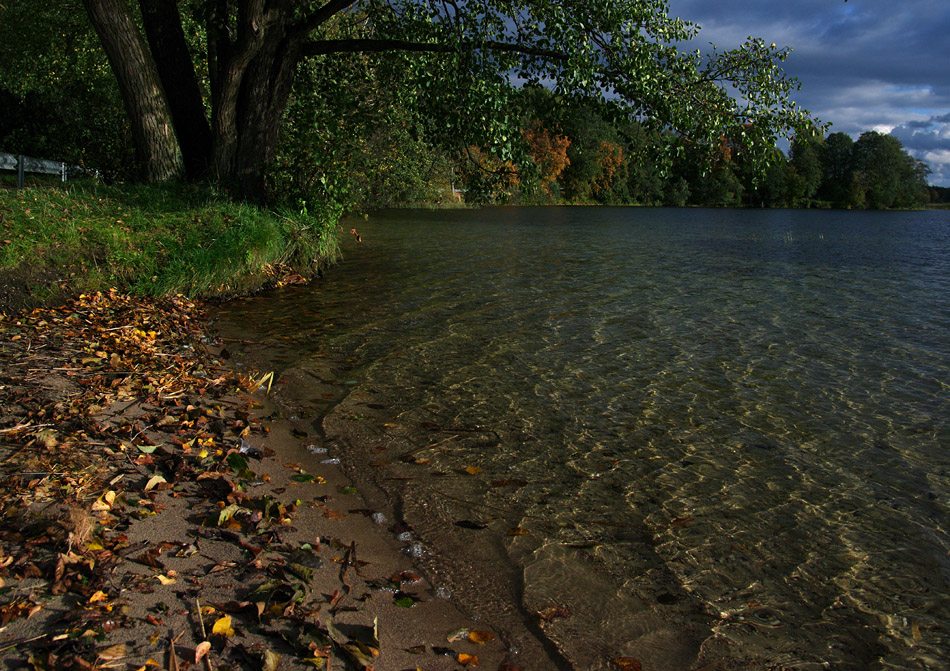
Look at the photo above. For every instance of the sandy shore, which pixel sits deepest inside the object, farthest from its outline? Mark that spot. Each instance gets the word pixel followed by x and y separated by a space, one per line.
pixel 158 514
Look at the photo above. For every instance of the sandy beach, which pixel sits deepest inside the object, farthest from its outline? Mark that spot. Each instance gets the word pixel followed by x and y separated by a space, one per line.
pixel 159 513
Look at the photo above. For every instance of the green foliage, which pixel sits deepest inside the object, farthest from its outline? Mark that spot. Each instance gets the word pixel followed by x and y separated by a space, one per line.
pixel 805 169
pixel 58 96
pixel 875 172
pixel 353 138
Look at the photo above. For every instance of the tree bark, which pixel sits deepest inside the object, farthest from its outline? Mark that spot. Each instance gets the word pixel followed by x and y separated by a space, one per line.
pixel 267 84
pixel 152 129
pixel 254 74
pixel 166 39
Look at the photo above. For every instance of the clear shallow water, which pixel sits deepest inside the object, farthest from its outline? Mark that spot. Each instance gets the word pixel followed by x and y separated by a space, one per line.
pixel 739 419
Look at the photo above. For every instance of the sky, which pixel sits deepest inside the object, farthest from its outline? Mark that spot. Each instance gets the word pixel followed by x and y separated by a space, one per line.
pixel 864 65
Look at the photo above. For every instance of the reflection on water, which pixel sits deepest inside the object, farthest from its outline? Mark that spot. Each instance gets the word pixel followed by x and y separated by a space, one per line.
pixel 744 415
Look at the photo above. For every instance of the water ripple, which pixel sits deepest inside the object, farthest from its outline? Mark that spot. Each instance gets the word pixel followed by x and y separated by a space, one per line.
pixel 738 415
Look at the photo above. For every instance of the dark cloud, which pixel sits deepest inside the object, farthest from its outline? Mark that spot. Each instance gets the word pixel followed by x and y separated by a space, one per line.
pixel 864 65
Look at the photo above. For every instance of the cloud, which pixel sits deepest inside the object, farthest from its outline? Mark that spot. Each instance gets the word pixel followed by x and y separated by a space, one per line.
pixel 863 65
pixel 929 141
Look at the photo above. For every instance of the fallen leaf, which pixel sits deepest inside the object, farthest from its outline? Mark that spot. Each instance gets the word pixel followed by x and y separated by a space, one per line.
pixel 468 524
pixel 165 580
pixel 154 481
pixel 202 650
pixel 480 637
pixel 457 635
pixel 98 596
pixel 223 626
pixel 552 612
pixel 113 652
pixel 467 660
pixel 627 663
pixel 473 470
pixel 271 660
pixel 104 502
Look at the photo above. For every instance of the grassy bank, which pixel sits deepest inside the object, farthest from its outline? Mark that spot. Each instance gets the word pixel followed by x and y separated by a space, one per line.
pixel 148 241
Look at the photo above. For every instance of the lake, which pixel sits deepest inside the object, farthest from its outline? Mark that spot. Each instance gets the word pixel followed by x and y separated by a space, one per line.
pixel 676 435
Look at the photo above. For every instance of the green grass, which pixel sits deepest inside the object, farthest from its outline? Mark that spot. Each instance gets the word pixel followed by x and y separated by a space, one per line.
pixel 149 241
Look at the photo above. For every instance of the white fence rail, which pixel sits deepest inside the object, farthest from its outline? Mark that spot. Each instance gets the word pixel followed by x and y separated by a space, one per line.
pixel 24 164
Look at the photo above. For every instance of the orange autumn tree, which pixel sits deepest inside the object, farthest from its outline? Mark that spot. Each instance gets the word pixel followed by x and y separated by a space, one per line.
pixel 610 158
pixel 549 151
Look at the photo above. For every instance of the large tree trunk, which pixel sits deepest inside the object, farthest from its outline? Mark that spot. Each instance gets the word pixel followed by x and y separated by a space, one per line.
pixel 267 86
pixel 152 129
pixel 166 39
pixel 251 79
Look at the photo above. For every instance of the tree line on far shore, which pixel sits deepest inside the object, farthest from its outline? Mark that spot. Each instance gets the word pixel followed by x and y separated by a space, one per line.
pixel 576 155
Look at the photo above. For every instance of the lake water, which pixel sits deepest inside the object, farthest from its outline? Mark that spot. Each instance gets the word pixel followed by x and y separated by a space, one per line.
pixel 684 436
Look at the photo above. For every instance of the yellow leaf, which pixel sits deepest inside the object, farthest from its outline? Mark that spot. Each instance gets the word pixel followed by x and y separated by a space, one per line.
pixel 480 637
pixel 154 481
pixel 165 580
pixel 473 470
pixel 99 596
pixel 223 626
pixel 467 660
pixel 104 502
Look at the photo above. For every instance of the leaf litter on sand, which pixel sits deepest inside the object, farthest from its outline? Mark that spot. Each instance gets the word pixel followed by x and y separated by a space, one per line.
pixel 111 408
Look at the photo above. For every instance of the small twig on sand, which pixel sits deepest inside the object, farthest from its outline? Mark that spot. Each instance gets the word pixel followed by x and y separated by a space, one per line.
pixel 21 642
pixel 204 634
pixel 172 655
pixel 23 427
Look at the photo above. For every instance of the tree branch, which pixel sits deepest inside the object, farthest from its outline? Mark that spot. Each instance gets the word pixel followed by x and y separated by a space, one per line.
pixel 321 47
pixel 322 15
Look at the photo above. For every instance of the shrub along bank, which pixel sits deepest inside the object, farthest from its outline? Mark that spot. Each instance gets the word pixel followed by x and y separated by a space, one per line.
pixel 150 241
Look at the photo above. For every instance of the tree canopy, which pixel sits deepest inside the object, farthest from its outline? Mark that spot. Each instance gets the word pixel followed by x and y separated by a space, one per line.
pixel 206 83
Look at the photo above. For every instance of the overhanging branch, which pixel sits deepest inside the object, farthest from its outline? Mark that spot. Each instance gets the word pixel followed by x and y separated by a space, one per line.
pixel 322 47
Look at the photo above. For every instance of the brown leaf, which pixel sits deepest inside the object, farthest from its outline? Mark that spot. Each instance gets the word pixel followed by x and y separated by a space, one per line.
pixel 553 612
pixel 480 637
pixel 627 663
pixel 202 650
pixel 467 660
pixel 150 558
pixel 113 652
